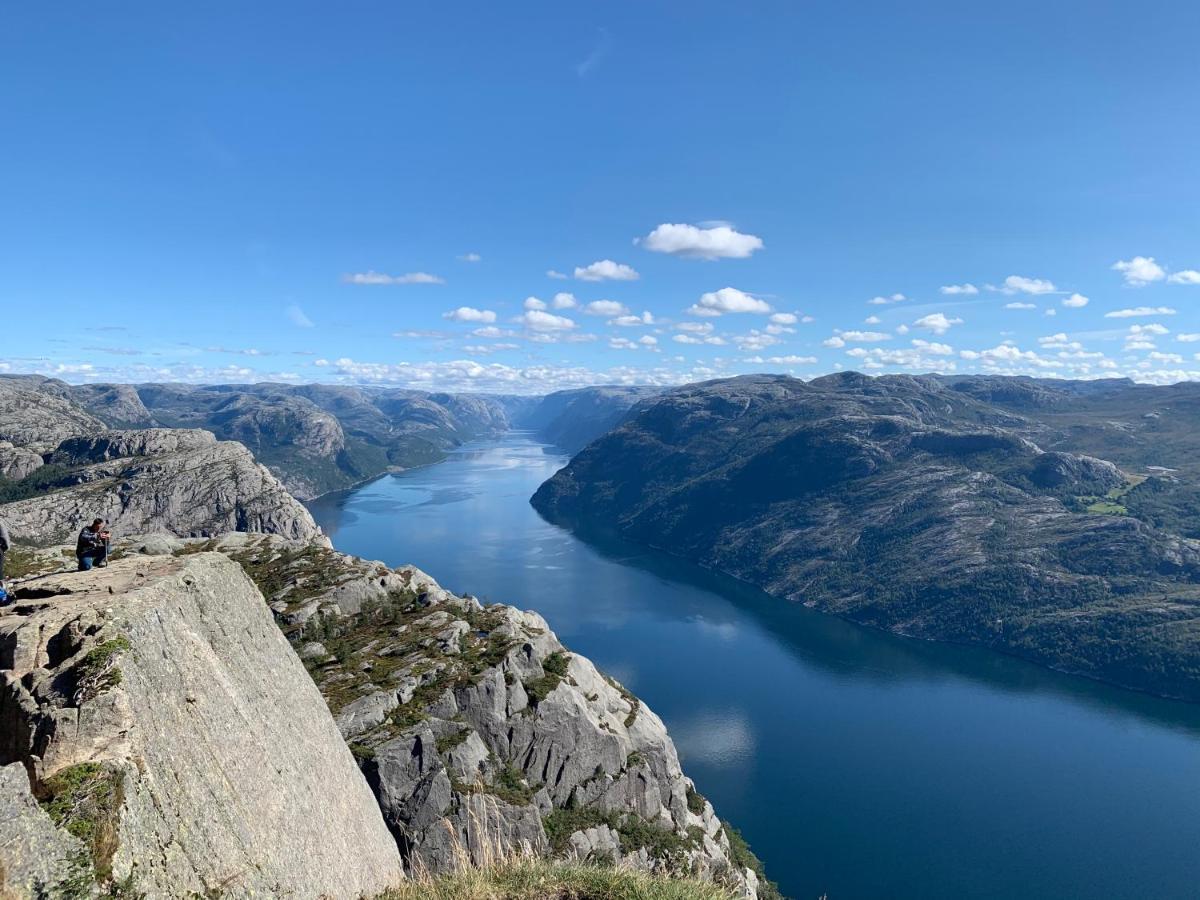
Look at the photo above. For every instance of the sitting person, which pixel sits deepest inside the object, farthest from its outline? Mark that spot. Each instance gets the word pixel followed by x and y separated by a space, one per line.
pixel 92 547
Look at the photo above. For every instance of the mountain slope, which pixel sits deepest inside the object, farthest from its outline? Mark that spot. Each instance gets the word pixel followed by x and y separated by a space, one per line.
pixel 905 504
pixel 573 419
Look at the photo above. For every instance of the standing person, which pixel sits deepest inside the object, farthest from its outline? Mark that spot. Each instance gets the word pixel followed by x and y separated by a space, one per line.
pixel 92 547
pixel 5 544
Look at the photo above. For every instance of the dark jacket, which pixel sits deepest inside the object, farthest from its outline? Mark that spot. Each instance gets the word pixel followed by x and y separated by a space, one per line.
pixel 89 540
pixel 5 537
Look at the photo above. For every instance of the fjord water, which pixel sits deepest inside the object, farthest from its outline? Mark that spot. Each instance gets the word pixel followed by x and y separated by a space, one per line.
pixel 856 763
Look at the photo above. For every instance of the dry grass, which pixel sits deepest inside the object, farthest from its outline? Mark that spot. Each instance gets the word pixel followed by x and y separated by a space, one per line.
pixel 527 878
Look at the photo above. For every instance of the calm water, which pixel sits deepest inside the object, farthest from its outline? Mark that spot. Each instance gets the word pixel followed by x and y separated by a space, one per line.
pixel 857 764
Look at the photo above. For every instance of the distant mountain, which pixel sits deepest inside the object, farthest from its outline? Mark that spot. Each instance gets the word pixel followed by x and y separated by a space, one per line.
pixel 315 438
pixel 573 419
pixel 974 510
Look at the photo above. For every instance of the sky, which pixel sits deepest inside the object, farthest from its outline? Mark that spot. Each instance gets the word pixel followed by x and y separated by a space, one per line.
pixel 521 197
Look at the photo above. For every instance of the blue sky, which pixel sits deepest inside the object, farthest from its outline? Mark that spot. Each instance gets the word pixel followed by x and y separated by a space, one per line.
pixel 212 192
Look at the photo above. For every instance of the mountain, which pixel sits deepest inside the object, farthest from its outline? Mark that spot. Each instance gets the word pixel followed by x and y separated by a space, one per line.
pixel 573 419
pixel 315 438
pixel 61 467
pixel 177 748
pixel 929 507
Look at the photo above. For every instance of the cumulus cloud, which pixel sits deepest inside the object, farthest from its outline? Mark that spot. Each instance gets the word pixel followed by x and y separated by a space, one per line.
pixel 558 276
pixel 381 278
pixel 297 317
pixel 728 300
pixel 539 320
pixel 833 341
pixel 1017 304
pixel 606 270
pixel 1076 301
pixel 933 347
pixel 606 308
pixel 1139 271
pixel 648 340
pixel 630 321
pixel 695 327
pixel 718 242
pixel 685 338
pixel 1019 284
pixel 1140 311
pixel 783 318
pixel 938 323
pixel 563 300
pixel 872 320
pixel 470 314
pixel 534 303
pixel 1185 276
pixel 1152 328
pixel 1188 338
pixel 885 301
pixel 862 337
pixel 954 289
pixel 783 360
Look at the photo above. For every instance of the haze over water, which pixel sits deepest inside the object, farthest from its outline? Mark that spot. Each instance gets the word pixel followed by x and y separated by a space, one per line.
pixel 856 763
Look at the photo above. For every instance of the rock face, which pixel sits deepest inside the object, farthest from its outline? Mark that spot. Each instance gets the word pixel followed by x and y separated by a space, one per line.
pixel 177 482
pixel 165 680
pixel 908 504
pixel 479 732
pixel 315 438
pixel 37 413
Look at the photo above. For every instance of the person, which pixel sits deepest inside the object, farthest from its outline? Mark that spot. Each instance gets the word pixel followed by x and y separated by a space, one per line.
pixel 5 544
pixel 92 547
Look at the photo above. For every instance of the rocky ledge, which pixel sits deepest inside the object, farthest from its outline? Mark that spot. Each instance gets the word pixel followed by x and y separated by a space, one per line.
pixel 479 734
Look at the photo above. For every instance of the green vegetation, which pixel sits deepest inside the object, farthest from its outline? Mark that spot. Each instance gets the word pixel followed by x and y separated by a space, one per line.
pixel 743 857
pixel 555 666
pixel 536 879
pixel 85 800
pixel 36 483
pixel 97 672
pixel 635 833
pixel 695 801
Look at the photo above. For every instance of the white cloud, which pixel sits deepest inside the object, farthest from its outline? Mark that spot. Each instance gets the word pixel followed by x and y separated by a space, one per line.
pixel 471 257
pixel 834 341
pixel 563 300
pixel 1165 357
pixel 1054 340
pixel 534 303
pixel 901 328
pixel 754 340
pixel 491 331
pixel 713 339
pixel 717 242
pixel 606 270
pixel 933 347
pixel 872 320
pixel 1152 328
pixel 695 327
pixel 1019 284
pixel 606 308
pixel 470 314
pixel 1075 301
pixel 783 318
pixel 648 339
pixel 1139 271
pixel 1051 311
pixel 381 278
pixel 1188 338
pixel 954 289
pixel 297 317
pixel 783 360
pixel 862 337
pixel 544 321
pixel 1140 311
pixel 558 276
pixel 938 323
pixel 1017 304
pixel 630 321
pixel 728 300
pixel 1184 276
pixel 884 301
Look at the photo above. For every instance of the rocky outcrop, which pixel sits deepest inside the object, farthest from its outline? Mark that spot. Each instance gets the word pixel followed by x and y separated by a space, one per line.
pixel 17 462
pixel 157 703
pixel 907 504
pixel 36 414
pixel 181 482
pixel 480 733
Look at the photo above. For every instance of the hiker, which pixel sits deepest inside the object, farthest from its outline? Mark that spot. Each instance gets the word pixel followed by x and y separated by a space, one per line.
pixel 5 544
pixel 92 547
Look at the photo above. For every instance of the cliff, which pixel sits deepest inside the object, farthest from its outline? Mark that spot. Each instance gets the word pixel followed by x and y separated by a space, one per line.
pixel 161 714
pixel 908 504
pixel 162 719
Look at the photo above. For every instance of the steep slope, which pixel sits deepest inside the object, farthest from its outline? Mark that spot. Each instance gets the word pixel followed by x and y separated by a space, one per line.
pixel 905 504
pixel 60 467
pixel 573 419
pixel 163 718
pixel 315 438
